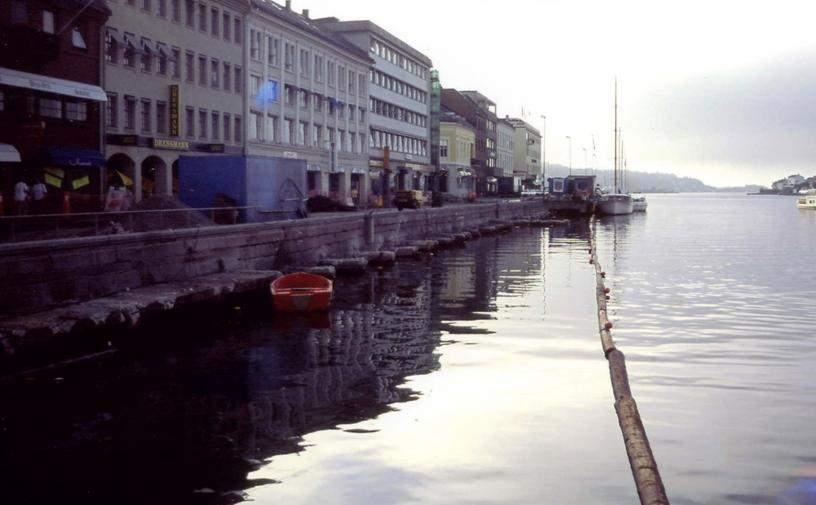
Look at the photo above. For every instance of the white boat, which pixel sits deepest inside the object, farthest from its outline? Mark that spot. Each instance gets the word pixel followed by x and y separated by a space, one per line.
pixel 808 201
pixel 615 204
pixel 639 204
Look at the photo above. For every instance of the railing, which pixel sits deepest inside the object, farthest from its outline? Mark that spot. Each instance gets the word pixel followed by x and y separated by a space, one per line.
pixel 85 224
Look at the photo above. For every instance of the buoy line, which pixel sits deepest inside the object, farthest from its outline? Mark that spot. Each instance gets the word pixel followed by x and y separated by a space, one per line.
pixel 641 460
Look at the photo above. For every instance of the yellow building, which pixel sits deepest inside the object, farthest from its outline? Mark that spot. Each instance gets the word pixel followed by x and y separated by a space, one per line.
pixel 457 141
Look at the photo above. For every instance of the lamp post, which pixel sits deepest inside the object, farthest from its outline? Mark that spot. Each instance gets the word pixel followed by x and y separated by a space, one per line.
pixel 543 150
pixel 586 163
pixel 570 154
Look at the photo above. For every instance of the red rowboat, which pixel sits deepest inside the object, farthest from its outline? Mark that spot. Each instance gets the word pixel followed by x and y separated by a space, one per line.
pixel 301 292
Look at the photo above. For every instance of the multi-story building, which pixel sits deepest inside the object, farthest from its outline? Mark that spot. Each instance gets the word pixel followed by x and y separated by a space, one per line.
pixel 505 132
pixel 457 142
pixel 480 112
pixel 526 151
pixel 308 99
pixel 174 74
pixel 399 124
pixel 51 98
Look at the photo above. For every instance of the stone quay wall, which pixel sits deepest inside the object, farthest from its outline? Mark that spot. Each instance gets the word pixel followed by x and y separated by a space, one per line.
pixel 43 274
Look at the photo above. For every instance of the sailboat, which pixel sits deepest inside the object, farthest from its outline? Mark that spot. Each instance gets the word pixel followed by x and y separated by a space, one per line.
pixel 618 202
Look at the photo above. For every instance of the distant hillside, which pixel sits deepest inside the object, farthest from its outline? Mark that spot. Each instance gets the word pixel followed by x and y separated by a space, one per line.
pixel 641 182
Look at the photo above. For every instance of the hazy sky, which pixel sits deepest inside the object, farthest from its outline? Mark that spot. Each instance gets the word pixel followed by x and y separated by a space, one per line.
pixel 720 90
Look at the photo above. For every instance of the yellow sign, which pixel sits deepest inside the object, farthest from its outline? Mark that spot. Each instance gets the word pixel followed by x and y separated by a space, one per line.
pixel 180 145
pixel 54 181
pixel 81 182
pixel 175 101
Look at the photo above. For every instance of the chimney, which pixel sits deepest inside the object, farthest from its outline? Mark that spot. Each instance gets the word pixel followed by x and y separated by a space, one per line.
pixel 288 5
pixel 306 13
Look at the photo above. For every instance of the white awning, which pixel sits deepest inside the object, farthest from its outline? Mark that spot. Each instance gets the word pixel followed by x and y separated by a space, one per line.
pixel 8 153
pixel 46 84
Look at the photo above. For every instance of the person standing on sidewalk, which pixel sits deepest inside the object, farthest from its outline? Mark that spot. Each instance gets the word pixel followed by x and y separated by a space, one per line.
pixel 38 202
pixel 21 192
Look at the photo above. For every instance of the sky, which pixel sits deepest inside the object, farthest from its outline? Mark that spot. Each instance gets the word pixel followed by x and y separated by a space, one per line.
pixel 720 90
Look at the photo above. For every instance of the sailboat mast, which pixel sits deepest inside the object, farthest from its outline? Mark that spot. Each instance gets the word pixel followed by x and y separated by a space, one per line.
pixel 616 135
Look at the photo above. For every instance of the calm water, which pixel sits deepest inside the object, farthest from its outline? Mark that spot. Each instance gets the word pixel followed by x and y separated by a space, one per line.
pixel 473 377
pixel 715 300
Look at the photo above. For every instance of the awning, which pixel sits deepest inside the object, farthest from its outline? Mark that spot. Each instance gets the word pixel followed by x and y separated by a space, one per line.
pixel 491 180
pixel 46 84
pixel 9 153
pixel 463 172
pixel 74 158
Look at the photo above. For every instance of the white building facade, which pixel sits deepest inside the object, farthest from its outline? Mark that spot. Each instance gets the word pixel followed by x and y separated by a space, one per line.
pixel 526 150
pixel 307 98
pixel 174 77
pixel 399 103
pixel 505 134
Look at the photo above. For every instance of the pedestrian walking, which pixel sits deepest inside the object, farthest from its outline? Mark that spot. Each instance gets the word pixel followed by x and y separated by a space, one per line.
pixel 21 195
pixel 39 191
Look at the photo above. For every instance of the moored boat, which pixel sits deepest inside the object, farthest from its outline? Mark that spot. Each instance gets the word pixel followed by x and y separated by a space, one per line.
pixel 639 204
pixel 615 204
pixel 808 201
pixel 301 292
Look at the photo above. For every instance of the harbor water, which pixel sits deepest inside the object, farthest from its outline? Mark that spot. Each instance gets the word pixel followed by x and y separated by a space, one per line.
pixel 473 376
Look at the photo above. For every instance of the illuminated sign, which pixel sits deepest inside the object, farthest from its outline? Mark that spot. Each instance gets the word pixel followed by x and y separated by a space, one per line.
pixel 174 110
pixel 178 145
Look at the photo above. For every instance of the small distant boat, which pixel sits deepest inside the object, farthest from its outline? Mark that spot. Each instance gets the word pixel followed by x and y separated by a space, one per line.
pixel 301 292
pixel 639 204
pixel 615 204
pixel 808 201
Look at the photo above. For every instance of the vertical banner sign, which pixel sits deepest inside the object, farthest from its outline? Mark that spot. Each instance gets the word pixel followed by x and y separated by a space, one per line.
pixel 174 110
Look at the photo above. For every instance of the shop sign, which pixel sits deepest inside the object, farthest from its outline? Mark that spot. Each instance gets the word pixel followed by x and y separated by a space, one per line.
pixel 178 145
pixel 358 170
pixel 375 163
pixel 211 148
pixel 175 100
pixel 290 154
pixel 123 140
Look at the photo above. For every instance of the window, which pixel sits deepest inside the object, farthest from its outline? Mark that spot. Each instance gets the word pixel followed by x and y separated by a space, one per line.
pixel 361 82
pixel 236 32
pixel 303 99
pixel 225 31
pixel 76 111
pixel 351 110
pixel 163 8
pixel 50 107
pixel 189 8
pixel 214 22
pixel 202 123
pixel 161 117
pixel 48 21
pixel 146 5
pixel 111 111
pixel 288 132
pixel 341 78
pixel 189 64
pixel 289 95
pixel 237 130
pixel 130 112
pixel 362 115
pixel 146 114
pixel 175 63
pixel 162 70
pixel 255 44
pixel 111 47
pixel 318 103
pixel 77 39
pixel 332 73
pixel 227 127
pixel 202 17
pixel 175 7
pixel 351 81
pixel 254 84
pixel 304 63
pixel 19 12
pixel 443 148
pixel 147 56
pixel 273 51
pixel 202 70
pixel 254 132
pixel 215 123
pixel 190 122
pixel 272 129
pixel 301 133
pixel 237 81
pixel 318 68
pixel 227 76
pixel 215 75
pixel 289 56
pixel 352 142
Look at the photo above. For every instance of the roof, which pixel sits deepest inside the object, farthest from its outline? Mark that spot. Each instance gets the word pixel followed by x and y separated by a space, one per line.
pixel 99 5
pixel 338 26
pixel 448 116
pixel 469 97
pixel 308 25
pixel 476 96
pixel 520 123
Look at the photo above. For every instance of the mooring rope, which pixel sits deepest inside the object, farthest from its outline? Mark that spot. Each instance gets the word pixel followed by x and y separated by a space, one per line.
pixel 644 467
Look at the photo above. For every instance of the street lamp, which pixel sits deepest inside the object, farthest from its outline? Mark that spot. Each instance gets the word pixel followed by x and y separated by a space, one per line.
pixel 586 163
pixel 570 154
pixel 543 150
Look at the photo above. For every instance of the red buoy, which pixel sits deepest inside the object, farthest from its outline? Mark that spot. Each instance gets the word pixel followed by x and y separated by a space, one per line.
pixel 606 290
pixel 608 325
